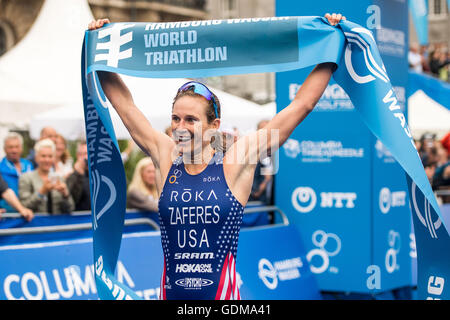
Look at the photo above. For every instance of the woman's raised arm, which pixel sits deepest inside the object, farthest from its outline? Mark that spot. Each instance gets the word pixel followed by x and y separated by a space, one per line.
pixel 153 142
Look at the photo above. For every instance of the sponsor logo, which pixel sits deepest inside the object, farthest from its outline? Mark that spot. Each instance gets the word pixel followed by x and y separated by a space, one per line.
pixel 283 270
pixel 291 148
pixel 334 98
pixel 375 70
pixel 194 255
pixel 394 243
pixel 327 245
pixel 391 41
pixel 304 199
pixel 176 174
pixel 435 287
pixel 97 180
pixel 193 283
pixel 193 268
pixel 383 153
pixel 116 41
pixel 211 179
pixel 320 151
pixel 425 219
pixel 388 199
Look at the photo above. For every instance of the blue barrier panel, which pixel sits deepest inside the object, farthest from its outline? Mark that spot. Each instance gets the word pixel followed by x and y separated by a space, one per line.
pixel 63 220
pixel 337 183
pixel 269 265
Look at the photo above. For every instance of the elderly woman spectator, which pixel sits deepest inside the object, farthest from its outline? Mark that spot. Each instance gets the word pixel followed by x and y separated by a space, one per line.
pixel 142 192
pixel 41 190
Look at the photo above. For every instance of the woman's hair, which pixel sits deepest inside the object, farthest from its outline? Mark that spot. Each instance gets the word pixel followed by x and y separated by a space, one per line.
pixel 65 155
pixel 138 184
pixel 210 113
pixel 45 143
pixel 219 140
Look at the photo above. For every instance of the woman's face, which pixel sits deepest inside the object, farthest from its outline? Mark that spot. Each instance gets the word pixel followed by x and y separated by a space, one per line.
pixel 60 147
pixel 45 158
pixel 148 174
pixel 189 123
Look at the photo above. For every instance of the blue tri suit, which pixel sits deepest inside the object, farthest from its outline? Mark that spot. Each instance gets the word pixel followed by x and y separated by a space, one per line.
pixel 200 221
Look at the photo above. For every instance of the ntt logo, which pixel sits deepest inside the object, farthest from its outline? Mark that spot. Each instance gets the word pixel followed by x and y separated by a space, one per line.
pixel 304 199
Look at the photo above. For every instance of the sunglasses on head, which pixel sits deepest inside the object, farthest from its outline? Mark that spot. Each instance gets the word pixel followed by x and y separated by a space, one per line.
pixel 202 90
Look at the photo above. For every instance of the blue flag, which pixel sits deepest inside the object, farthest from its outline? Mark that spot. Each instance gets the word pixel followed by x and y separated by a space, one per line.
pixel 236 46
pixel 419 13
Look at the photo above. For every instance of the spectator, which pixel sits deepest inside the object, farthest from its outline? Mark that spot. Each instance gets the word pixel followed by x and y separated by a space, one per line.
pixel 46 133
pixel 441 156
pixel 12 165
pixel 426 144
pixel 8 194
pixel 63 161
pixel 41 190
pixel 415 58
pixel 445 141
pixel 425 58
pixel 430 170
pixel 438 64
pixel 441 180
pixel 262 181
pixel 78 180
pixel 142 193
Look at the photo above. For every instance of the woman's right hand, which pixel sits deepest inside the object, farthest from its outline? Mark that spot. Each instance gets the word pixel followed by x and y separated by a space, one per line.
pixel 97 24
pixel 46 186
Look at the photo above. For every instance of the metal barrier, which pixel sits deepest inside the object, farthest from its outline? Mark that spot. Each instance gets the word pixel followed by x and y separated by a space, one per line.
pixel 439 193
pixel 268 208
pixel 72 227
pixel 127 222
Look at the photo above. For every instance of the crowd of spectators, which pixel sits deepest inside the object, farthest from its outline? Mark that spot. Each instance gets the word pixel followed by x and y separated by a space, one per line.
pixel 48 180
pixel 435 156
pixel 433 59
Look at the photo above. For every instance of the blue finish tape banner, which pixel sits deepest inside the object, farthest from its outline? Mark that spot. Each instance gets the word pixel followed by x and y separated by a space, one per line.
pixel 236 46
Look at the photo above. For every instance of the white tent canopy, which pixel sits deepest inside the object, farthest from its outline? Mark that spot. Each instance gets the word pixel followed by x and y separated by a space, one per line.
pixel 43 70
pixel 426 115
pixel 154 98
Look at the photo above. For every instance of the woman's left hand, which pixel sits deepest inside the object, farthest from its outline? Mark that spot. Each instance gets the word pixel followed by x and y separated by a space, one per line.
pixel 61 187
pixel 334 18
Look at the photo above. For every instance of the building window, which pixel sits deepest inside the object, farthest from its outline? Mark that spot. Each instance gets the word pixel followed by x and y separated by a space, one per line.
pixel 229 8
pixel 437 9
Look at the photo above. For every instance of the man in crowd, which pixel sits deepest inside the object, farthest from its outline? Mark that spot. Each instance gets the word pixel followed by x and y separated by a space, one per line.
pixel 78 181
pixel 12 165
pixel 46 133
pixel 415 58
pixel 11 198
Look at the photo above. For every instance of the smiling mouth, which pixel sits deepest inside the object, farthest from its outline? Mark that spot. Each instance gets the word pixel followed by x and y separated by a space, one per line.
pixel 182 137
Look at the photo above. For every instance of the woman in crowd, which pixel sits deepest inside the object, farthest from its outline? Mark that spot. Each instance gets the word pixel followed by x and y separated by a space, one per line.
pixel 63 161
pixel 41 190
pixel 142 193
